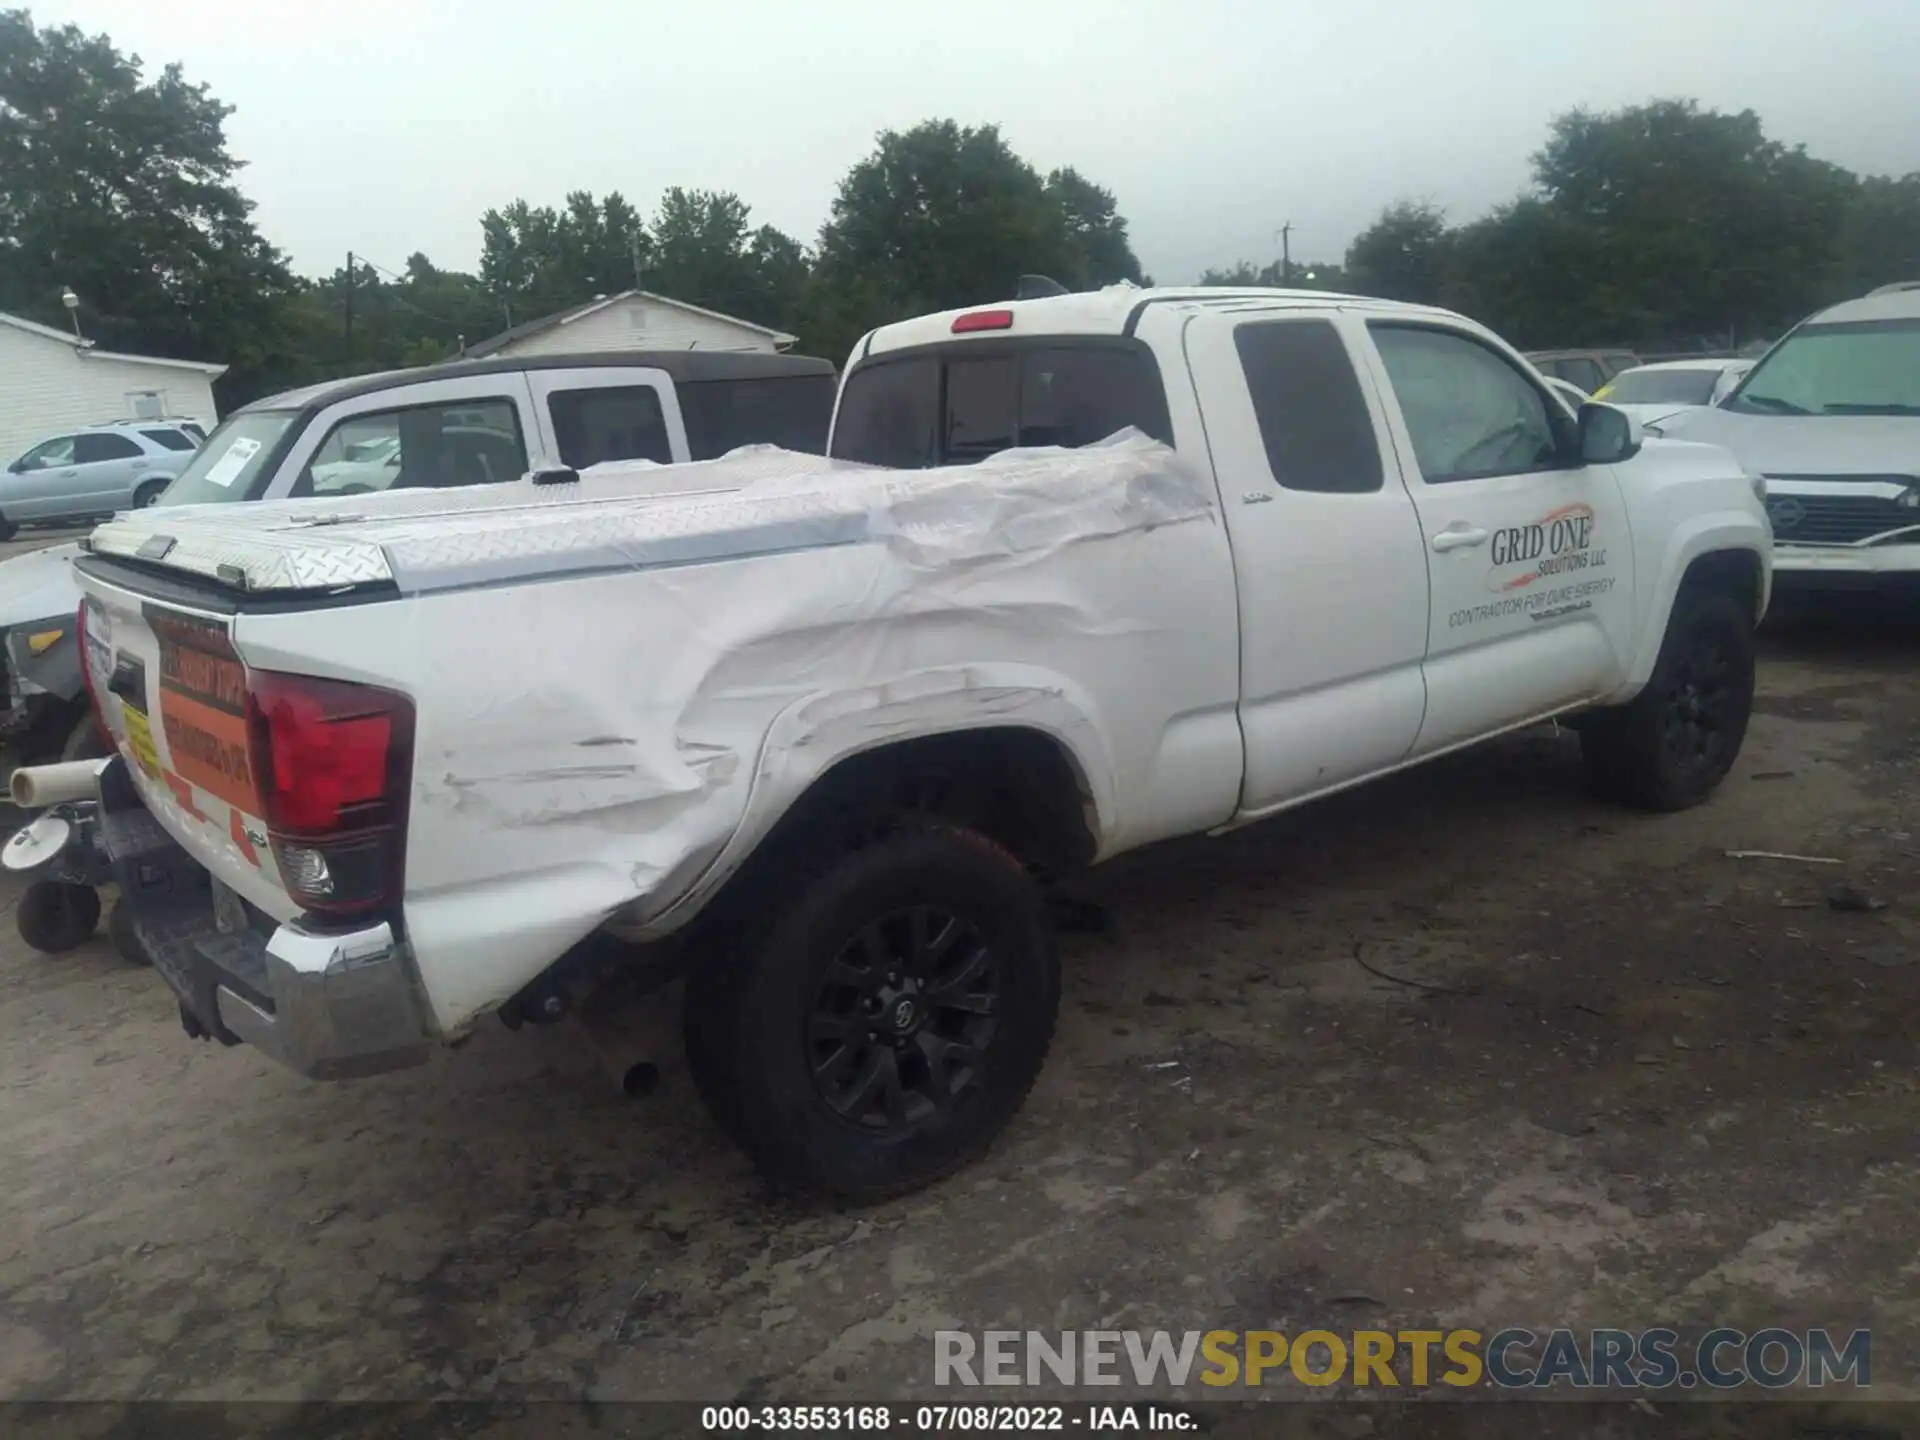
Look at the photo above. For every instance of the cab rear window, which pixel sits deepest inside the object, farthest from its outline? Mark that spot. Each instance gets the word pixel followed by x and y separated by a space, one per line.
pixel 958 406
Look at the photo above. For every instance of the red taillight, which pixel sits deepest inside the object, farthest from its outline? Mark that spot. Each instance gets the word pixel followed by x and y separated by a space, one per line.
pixel 332 761
pixel 982 320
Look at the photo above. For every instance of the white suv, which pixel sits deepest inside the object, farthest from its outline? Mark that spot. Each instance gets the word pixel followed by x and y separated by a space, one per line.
pixel 94 470
pixel 1831 417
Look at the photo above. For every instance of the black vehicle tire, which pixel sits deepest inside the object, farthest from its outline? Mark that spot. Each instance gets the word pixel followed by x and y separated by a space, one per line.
pixel 148 493
pixel 7 529
pixel 872 1028
pixel 1672 745
pixel 126 941
pixel 55 916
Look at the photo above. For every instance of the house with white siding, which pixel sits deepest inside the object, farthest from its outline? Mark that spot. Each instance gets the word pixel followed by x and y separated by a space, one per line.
pixel 51 381
pixel 631 320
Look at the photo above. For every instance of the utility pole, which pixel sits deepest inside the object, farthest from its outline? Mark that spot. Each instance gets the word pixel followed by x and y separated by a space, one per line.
pixel 349 309
pixel 635 243
pixel 1285 232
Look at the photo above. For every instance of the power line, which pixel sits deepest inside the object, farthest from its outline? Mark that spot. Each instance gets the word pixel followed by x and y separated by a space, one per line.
pixel 402 300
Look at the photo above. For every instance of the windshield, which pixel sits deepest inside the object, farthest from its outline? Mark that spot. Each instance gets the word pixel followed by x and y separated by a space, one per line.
pixel 227 465
pixel 1866 367
pixel 1660 387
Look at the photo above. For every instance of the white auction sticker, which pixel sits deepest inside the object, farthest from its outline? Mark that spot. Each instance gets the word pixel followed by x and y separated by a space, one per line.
pixel 228 467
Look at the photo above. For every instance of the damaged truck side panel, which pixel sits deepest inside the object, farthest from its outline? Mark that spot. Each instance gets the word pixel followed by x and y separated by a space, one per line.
pixel 679 712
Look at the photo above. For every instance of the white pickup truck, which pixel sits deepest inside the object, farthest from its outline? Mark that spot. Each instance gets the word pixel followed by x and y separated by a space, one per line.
pixel 390 763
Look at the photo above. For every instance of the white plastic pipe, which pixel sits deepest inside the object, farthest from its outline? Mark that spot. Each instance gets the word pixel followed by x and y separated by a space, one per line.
pixel 34 787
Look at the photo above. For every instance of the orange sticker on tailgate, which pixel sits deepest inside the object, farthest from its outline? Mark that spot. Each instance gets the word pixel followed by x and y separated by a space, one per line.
pixel 203 708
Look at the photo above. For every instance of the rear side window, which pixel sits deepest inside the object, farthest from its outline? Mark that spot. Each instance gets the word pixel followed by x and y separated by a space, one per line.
pixel 791 411
pixel 890 414
pixel 169 439
pixel 1587 374
pixel 1313 417
pixel 91 449
pixel 614 422
pixel 963 406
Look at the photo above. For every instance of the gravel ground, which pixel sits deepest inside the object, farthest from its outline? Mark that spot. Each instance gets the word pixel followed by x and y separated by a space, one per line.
pixel 1463 1048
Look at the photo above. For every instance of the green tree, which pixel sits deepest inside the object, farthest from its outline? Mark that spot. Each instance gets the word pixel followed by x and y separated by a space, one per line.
pixel 706 254
pixel 1700 221
pixel 945 215
pixel 1403 254
pixel 1880 235
pixel 1096 231
pixel 535 260
pixel 121 188
pixel 413 317
pixel 1534 275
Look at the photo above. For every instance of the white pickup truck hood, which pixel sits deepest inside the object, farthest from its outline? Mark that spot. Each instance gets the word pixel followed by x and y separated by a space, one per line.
pixel 1798 446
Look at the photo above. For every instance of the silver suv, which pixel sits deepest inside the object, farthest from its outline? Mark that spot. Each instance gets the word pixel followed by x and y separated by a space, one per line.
pixel 94 470
pixel 1831 418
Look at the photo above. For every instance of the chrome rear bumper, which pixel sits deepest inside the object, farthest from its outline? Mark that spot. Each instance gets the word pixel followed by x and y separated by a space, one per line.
pixel 328 1005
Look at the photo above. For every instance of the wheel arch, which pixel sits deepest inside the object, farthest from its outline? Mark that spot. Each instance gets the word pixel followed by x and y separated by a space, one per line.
pixel 1031 776
pixel 1709 554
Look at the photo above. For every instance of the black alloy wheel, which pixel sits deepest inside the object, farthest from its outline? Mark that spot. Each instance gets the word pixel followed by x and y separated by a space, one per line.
pixel 1700 714
pixel 901 1018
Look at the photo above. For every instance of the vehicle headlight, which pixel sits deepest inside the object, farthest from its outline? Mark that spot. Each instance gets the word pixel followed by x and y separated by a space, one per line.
pixel 1760 489
pixel 1909 499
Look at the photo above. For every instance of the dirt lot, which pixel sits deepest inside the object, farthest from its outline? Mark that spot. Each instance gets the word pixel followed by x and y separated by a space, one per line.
pixel 1618 1079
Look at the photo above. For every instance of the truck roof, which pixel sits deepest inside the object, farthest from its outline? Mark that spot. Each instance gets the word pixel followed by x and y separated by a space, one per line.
pixel 1890 302
pixel 681 366
pixel 1116 310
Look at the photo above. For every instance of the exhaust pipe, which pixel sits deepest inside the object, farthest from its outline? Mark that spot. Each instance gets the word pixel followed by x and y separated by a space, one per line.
pixel 35 787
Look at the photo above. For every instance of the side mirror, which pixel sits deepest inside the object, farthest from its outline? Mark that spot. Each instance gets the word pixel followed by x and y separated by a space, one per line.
pixel 1607 436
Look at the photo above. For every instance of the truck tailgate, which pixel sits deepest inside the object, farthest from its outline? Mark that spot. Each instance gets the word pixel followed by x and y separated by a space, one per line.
pixel 172 694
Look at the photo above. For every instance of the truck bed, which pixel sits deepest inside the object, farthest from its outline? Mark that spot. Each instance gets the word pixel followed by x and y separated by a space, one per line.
pixel 755 501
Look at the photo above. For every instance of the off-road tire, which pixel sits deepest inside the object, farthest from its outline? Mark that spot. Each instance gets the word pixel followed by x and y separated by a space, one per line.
pixel 752 996
pixel 1671 746
pixel 54 916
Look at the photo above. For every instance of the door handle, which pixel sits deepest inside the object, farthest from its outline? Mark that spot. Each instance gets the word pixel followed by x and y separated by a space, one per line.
pixel 1459 537
pixel 1257 497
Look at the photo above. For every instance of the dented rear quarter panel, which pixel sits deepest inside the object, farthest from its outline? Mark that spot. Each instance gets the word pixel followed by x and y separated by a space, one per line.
pixel 617 744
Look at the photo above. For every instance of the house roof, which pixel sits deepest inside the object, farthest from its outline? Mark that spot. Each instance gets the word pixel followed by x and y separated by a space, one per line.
pixel 521 331
pixel 86 348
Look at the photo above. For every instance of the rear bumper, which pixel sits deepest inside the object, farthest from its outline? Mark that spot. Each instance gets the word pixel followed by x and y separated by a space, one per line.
pixel 330 1006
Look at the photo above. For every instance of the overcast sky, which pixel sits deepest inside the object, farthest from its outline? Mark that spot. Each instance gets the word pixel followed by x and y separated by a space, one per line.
pixel 389 126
